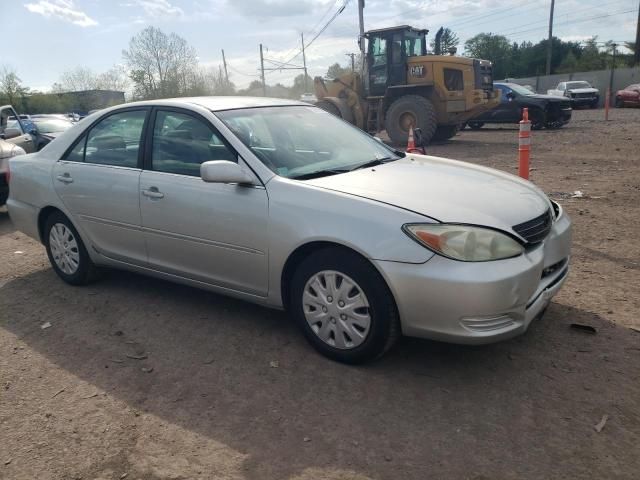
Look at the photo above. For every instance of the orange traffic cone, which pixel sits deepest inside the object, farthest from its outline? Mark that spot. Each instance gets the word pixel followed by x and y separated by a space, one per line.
pixel 411 143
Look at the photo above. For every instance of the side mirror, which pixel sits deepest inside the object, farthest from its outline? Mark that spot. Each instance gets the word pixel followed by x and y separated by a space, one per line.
pixel 224 171
pixel 11 133
pixel 511 96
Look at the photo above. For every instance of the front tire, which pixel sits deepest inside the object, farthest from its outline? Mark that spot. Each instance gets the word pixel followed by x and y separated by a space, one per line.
pixel 475 125
pixel 410 110
pixel 619 103
pixel 343 306
pixel 66 251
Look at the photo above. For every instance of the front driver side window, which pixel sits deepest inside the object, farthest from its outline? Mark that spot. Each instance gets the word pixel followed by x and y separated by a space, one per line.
pixel 182 142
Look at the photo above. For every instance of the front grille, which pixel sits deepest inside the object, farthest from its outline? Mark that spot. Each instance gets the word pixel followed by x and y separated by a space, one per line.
pixel 535 230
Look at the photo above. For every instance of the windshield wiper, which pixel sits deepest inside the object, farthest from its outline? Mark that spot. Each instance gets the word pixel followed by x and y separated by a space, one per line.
pixel 374 163
pixel 319 173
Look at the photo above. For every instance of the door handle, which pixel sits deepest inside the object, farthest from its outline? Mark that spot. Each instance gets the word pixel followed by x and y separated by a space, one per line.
pixel 65 178
pixel 152 192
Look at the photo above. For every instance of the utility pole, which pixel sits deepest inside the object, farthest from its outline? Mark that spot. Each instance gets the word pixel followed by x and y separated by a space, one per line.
pixel 304 63
pixel 224 62
pixel 636 56
pixel 550 38
pixel 264 85
pixel 614 46
pixel 361 22
pixel 353 60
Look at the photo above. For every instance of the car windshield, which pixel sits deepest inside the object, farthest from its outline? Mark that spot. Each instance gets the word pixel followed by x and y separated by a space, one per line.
pixel 519 89
pixel 52 125
pixel 578 85
pixel 300 141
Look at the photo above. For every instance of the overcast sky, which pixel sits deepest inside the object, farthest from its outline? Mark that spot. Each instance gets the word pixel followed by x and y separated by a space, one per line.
pixel 51 36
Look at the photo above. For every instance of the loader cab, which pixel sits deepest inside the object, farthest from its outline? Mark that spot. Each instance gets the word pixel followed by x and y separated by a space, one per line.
pixel 387 53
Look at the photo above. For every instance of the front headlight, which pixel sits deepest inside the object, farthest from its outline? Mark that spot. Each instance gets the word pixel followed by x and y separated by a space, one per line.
pixel 462 242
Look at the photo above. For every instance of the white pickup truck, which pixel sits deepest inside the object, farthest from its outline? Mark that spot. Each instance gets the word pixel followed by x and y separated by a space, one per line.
pixel 579 92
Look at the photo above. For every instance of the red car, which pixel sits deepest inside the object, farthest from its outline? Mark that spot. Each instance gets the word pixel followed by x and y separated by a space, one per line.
pixel 630 96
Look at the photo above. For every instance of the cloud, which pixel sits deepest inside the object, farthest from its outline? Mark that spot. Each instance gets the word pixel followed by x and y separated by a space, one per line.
pixel 156 8
pixel 62 9
pixel 273 8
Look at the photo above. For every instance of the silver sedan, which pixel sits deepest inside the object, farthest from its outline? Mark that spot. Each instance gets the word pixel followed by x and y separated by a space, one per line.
pixel 279 203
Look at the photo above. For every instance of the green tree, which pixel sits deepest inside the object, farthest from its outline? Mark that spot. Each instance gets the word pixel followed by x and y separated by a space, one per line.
pixel 334 71
pixel 488 46
pixel 591 58
pixel 448 41
pixel 11 89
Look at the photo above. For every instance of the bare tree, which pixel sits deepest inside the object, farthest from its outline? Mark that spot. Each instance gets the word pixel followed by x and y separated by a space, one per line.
pixel 76 80
pixel 160 65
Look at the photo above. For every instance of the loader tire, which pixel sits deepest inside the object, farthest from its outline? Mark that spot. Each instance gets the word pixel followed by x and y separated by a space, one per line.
pixel 329 107
pixel 410 110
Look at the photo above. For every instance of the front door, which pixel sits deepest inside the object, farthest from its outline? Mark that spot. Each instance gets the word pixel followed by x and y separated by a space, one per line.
pixel 378 66
pixel 98 182
pixel 209 232
pixel 13 131
pixel 397 61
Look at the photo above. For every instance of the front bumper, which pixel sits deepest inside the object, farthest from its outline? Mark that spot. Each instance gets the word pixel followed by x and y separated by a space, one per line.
pixel 584 100
pixel 476 303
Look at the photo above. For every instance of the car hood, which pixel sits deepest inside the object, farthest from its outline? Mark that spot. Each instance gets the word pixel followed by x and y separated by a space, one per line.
pixel 582 90
pixel 52 134
pixel 445 190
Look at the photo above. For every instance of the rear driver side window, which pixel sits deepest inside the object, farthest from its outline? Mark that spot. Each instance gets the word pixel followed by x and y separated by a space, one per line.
pixel 182 142
pixel 114 140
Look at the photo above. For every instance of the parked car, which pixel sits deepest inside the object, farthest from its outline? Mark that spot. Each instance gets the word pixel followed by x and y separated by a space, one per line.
pixel 629 97
pixel 544 110
pixel 13 131
pixel 48 127
pixel 283 204
pixel 308 98
pixel 7 150
pixel 580 93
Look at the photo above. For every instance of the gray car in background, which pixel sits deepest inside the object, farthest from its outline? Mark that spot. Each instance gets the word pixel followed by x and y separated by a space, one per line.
pixel 280 203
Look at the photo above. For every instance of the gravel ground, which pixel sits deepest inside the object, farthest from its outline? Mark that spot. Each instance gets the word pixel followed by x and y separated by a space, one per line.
pixel 142 379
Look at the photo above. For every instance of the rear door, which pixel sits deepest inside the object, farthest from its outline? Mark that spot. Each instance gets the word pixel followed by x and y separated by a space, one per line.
pixel 98 182
pixel 208 232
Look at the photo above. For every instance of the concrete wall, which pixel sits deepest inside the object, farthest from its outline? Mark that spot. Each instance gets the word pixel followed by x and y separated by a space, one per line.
pixel 599 79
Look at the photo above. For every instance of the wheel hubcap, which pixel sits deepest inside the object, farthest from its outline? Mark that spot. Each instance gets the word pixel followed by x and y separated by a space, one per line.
pixel 336 309
pixel 64 248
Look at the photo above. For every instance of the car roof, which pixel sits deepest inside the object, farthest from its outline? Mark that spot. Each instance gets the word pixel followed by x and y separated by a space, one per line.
pixel 217 104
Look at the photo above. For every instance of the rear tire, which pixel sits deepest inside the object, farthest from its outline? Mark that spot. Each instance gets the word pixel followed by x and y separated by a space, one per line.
pixel 410 110
pixel 333 288
pixel 66 251
pixel 538 119
pixel 475 125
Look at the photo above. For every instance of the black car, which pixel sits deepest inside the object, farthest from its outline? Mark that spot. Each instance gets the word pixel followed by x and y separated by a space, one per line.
pixel 544 110
pixel 48 127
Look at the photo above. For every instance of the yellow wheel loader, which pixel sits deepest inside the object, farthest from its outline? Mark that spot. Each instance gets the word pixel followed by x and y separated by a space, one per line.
pixel 403 87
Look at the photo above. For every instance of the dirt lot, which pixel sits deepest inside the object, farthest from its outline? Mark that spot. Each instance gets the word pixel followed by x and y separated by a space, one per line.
pixel 151 380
